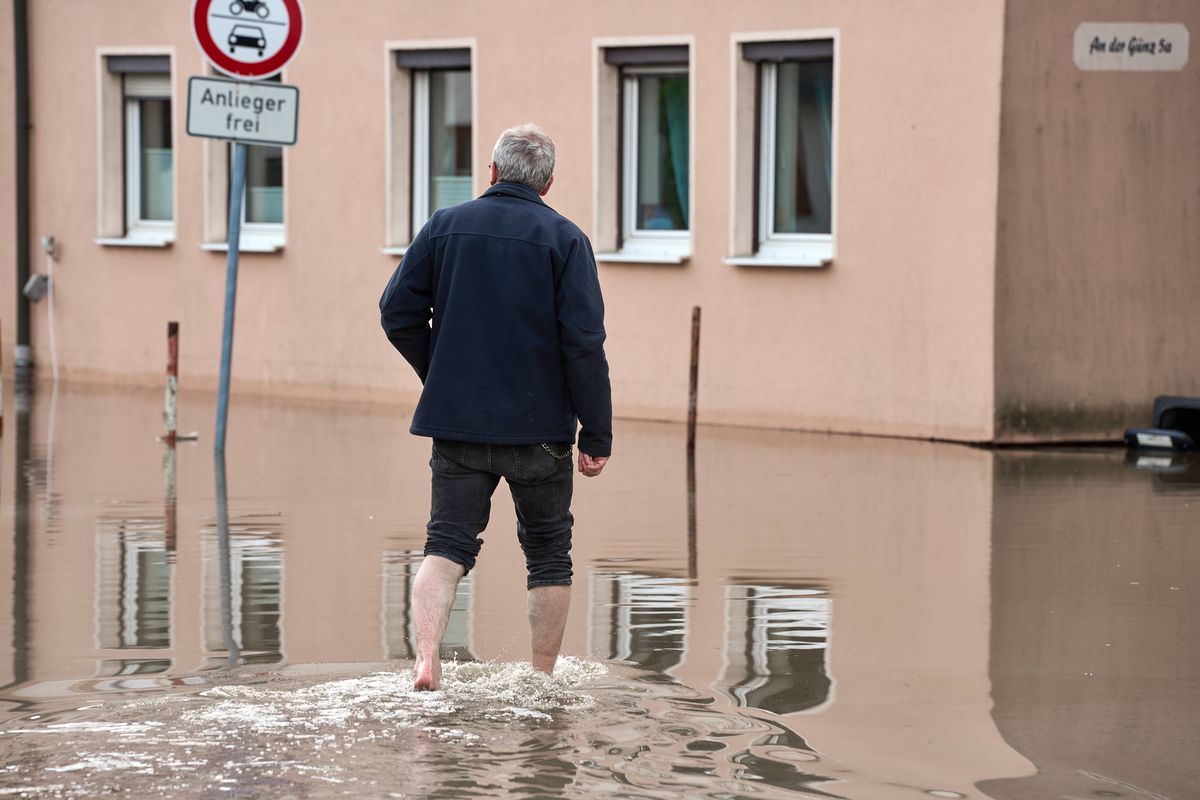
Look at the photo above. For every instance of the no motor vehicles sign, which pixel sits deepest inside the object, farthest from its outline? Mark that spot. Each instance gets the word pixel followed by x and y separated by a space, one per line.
pixel 248 38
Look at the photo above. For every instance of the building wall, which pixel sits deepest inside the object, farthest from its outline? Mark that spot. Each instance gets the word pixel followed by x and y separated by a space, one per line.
pixel 1096 274
pixel 895 337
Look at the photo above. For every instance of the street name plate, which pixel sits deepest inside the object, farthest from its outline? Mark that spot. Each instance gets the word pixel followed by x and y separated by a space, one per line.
pixel 1131 46
pixel 238 111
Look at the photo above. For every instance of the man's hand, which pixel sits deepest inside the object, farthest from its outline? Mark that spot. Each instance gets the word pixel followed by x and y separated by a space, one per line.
pixel 590 466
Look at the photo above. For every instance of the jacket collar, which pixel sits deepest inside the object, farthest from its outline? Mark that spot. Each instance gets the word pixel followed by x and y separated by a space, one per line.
pixel 508 189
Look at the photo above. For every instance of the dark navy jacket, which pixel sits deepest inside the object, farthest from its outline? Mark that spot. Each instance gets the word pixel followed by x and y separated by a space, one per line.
pixel 516 350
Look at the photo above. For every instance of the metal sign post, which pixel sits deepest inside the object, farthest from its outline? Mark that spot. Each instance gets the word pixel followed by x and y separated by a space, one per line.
pixel 237 187
pixel 249 40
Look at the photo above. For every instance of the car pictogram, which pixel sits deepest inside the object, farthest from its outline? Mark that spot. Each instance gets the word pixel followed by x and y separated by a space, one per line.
pixel 247 36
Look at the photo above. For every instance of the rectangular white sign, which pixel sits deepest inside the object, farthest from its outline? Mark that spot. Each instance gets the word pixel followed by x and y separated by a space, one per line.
pixel 241 111
pixel 1131 46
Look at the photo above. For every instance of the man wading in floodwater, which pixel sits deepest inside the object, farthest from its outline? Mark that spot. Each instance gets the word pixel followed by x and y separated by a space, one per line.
pixel 514 356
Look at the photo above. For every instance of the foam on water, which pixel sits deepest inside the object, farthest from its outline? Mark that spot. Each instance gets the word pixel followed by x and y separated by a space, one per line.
pixel 493 730
pixel 287 728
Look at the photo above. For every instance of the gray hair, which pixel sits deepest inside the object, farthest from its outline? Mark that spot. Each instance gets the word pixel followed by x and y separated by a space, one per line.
pixel 525 154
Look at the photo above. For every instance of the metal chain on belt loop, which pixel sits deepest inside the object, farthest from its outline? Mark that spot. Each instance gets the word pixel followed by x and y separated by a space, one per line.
pixel 553 454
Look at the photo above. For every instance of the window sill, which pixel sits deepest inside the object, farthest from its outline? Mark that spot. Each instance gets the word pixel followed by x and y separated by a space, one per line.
pixel 802 260
pixel 247 245
pixel 394 249
pixel 137 240
pixel 634 257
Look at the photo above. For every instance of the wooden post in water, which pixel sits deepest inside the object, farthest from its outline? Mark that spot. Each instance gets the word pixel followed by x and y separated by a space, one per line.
pixel 693 380
pixel 171 400
pixel 170 513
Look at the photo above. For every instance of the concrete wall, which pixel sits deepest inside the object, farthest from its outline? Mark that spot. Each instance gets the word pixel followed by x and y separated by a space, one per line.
pixel 895 337
pixel 1096 278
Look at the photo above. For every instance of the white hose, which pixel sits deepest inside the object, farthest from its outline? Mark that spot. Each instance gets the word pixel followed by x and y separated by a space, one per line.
pixel 50 300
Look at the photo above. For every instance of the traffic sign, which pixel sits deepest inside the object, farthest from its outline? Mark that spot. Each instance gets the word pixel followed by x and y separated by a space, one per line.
pixel 258 113
pixel 250 39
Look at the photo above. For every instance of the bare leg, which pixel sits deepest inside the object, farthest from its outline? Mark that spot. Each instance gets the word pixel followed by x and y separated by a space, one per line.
pixel 432 597
pixel 548 606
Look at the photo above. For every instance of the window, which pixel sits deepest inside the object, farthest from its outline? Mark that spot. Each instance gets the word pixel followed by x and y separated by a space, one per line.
pixel 263 200
pixel 432 137
pixel 655 150
pixel 792 173
pixel 441 136
pixel 652 215
pixel 137 183
pixel 262 205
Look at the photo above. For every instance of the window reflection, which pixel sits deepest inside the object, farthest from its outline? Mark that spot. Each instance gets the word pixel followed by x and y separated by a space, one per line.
pixel 399 639
pixel 255 592
pixel 639 618
pixel 449 138
pixel 264 185
pixel 133 603
pixel 662 152
pixel 776 647
pixel 118 667
pixel 803 143
pixel 155 159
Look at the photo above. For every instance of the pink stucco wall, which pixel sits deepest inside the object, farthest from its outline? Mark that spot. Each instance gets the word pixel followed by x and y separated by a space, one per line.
pixel 895 337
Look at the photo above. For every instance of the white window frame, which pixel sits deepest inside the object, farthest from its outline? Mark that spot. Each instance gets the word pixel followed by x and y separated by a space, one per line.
pixel 422 100
pixel 671 245
pixel 400 110
pixel 420 149
pixel 139 87
pixel 750 193
pixel 112 215
pixel 218 168
pixel 255 237
pixel 264 234
pixel 807 247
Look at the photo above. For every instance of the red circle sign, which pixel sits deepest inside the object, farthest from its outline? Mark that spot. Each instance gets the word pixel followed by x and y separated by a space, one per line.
pixel 248 38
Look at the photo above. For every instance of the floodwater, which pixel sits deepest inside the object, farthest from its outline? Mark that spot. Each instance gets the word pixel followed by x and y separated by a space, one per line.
pixel 822 617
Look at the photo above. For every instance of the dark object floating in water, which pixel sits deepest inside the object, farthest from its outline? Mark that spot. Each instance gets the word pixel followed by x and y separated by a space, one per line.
pixel 1176 426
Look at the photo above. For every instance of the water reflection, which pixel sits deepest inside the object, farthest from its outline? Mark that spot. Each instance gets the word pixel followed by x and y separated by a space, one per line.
pixel 399 637
pixel 243 615
pixel 1171 470
pixel 776 648
pixel 133 585
pixel 639 618
pixel 1006 624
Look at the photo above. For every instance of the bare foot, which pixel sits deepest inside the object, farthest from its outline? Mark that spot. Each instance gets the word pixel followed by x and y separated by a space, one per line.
pixel 427 675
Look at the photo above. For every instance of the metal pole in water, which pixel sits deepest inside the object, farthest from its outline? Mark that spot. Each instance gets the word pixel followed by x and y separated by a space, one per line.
pixel 237 185
pixel 233 652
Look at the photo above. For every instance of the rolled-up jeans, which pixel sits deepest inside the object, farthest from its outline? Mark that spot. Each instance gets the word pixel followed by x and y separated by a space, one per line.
pixel 539 476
